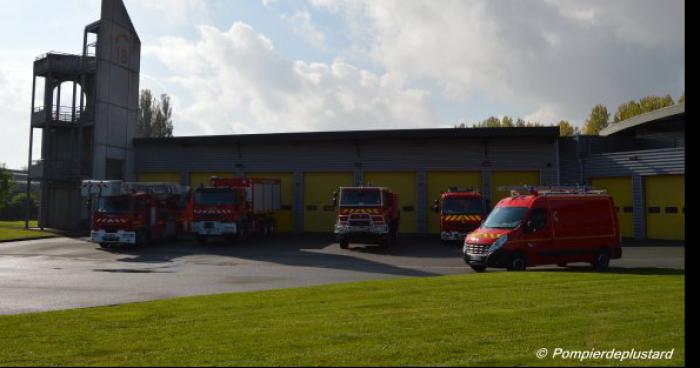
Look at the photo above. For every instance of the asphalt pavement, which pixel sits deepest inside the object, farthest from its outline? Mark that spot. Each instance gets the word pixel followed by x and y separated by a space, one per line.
pixel 62 273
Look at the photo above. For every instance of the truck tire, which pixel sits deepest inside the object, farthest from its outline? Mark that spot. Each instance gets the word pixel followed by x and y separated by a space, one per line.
pixel 104 245
pixel 242 231
pixel 478 268
pixel 517 262
pixel 601 262
pixel 384 242
pixel 344 243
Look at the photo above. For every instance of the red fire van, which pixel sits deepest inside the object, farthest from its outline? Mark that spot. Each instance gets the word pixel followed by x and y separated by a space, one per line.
pixel 552 226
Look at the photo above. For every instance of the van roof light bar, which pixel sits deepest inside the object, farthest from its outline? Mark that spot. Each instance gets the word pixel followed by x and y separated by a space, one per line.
pixel 544 190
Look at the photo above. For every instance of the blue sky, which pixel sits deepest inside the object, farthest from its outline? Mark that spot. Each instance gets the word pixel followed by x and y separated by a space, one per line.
pixel 245 66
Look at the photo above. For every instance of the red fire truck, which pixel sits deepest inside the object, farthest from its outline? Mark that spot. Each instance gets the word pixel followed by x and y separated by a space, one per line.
pixel 235 207
pixel 546 226
pixel 461 211
pixel 134 213
pixel 366 214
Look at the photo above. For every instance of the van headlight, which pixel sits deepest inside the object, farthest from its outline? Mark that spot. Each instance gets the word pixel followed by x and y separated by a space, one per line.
pixel 498 243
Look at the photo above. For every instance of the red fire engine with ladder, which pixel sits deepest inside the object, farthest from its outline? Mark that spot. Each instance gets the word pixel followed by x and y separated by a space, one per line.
pixel 135 213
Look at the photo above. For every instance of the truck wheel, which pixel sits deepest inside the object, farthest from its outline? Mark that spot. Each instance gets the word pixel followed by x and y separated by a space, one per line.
pixel 517 262
pixel 243 232
pixel 344 243
pixel 143 238
pixel 104 245
pixel 601 262
pixel 201 239
pixel 478 268
pixel 384 243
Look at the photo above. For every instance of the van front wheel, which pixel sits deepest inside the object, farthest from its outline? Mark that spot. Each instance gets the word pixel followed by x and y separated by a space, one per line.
pixel 517 262
pixel 478 268
pixel 601 261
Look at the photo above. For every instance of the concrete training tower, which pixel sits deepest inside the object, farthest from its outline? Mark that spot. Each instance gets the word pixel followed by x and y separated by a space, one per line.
pixel 86 114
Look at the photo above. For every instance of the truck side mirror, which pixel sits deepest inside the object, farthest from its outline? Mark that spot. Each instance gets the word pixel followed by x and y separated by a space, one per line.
pixel 334 199
pixel 436 206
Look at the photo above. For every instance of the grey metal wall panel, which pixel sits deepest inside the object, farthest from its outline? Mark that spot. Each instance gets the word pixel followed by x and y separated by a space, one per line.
pixel 569 164
pixel 504 154
pixel 646 162
pixel 639 207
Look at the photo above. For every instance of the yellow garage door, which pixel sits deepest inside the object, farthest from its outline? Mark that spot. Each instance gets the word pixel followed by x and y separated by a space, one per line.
pixel 285 216
pixel 440 181
pixel 620 189
pixel 404 184
pixel 319 214
pixel 510 178
pixel 665 207
pixel 197 178
pixel 159 177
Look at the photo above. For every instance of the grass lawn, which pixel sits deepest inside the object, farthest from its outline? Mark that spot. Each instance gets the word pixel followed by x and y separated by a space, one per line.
pixel 14 230
pixel 494 318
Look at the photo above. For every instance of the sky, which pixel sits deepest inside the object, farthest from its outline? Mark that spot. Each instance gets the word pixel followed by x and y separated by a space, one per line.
pixel 257 66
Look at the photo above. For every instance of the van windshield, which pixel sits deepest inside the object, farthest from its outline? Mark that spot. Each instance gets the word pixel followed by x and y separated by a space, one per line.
pixel 461 206
pixel 216 197
pixel 505 217
pixel 360 197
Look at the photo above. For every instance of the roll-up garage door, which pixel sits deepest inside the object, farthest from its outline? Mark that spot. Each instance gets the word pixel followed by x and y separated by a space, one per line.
pixel 285 216
pixel 510 178
pixel 197 178
pixel 665 207
pixel 620 188
pixel 319 214
pixel 170 177
pixel 440 181
pixel 404 184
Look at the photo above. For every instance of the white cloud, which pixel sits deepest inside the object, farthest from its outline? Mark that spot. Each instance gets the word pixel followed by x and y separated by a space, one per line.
pixel 15 101
pixel 239 84
pixel 303 26
pixel 175 11
pixel 562 57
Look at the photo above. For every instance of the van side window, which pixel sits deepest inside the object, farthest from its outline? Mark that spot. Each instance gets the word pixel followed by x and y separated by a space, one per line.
pixel 538 219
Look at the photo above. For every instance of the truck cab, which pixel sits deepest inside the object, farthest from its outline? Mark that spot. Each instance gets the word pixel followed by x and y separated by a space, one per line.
pixel 546 227
pixel 461 212
pixel 235 207
pixel 217 211
pixel 366 214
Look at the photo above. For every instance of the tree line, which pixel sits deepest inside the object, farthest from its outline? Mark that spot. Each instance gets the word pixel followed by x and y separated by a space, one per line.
pixel 598 119
pixel 155 116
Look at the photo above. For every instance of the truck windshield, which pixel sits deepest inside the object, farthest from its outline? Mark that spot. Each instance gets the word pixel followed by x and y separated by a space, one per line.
pixel 461 206
pixel 216 197
pixel 116 204
pixel 360 197
pixel 505 217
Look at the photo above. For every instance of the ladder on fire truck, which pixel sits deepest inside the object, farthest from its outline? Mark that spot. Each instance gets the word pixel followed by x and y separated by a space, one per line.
pixel 550 190
pixel 118 187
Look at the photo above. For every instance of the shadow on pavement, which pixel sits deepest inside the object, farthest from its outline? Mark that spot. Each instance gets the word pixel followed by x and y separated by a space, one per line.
pixel 318 251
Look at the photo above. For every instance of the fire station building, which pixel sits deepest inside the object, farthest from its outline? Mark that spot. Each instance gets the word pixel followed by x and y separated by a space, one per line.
pixel 417 164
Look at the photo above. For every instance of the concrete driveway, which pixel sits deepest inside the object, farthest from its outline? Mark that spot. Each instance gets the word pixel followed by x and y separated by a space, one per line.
pixel 62 273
